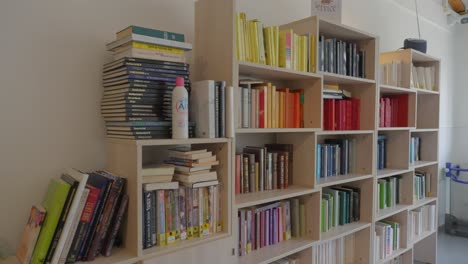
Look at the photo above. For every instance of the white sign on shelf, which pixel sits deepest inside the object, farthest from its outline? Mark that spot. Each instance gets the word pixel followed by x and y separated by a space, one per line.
pixel 328 9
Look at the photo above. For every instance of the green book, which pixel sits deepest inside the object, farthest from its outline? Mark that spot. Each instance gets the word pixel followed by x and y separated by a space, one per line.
pixel 396 233
pixel 295 218
pixel 389 187
pixel 55 199
pixel 331 212
pixel 382 194
pixel 322 218
pixel 151 33
pixel 302 221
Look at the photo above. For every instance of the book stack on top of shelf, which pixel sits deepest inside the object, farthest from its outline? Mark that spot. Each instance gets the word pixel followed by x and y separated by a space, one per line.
pixel 387 238
pixel 186 208
pixel 272 46
pixel 424 77
pixel 266 168
pixel 138 84
pixel 389 192
pixel 382 152
pixel 335 251
pixel 340 110
pixel 270 224
pixel 340 206
pixel 415 149
pixel 337 56
pixel 335 157
pixel 422 220
pixel 263 105
pixel 83 215
pixel 393 111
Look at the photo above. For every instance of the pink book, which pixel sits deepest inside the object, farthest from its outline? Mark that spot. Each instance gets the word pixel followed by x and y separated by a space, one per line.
pixel 237 175
pixel 262 229
pixel 267 227
pixel 288 43
pixel 280 224
pixel 257 229
pixel 382 113
pixel 253 230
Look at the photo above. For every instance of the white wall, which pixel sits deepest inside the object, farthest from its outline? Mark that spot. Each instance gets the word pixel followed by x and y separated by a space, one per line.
pixel 50 71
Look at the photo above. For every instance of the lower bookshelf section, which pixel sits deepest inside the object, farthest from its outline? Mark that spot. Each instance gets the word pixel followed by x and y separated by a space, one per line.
pixel 395 254
pixel 276 252
pixel 423 236
pixel 252 199
pixel 341 231
pixel 181 245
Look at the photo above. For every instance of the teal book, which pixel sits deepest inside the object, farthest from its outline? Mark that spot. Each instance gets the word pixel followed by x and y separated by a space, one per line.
pixel 54 201
pixel 150 33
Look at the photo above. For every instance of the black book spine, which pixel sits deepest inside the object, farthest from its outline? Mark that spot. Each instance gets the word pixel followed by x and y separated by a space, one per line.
pixel 216 112
pixel 222 109
pixel 61 223
pixel 148 240
pixel 117 222
pixel 153 218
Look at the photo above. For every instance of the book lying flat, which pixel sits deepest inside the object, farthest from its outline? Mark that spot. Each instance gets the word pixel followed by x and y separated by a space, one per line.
pixel 161 186
pixel 210 176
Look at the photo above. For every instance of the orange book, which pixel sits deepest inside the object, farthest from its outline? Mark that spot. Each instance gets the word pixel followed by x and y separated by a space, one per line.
pixel 301 106
pixel 290 111
pixel 269 106
pixel 274 104
pixel 296 110
pixel 280 110
pixel 287 121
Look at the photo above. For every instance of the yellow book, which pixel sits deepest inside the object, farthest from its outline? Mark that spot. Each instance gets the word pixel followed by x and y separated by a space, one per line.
pixel 246 38
pixel 240 37
pixel 305 54
pixel 266 38
pixel 276 39
pixel 253 41
pixel 269 106
pixel 296 52
pixel 312 53
pixel 272 47
pixel 261 43
pixel 148 46
pixel 281 109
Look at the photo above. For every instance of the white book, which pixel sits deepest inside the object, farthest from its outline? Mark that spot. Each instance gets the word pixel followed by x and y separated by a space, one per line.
pixel 433 76
pixel 245 108
pixel 377 247
pixel 150 54
pixel 202 108
pixel 432 217
pixel 151 40
pixel 421 77
pixel 261 43
pixel 414 75
pixel 428 78
pixel 68 176
pixel 161 186
pixel 380 229
pixel 254 107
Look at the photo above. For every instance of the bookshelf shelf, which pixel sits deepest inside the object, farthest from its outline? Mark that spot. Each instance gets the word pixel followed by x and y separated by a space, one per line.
pixel 422 202
pixel 421 163
pixel 423 236
pixel 389 89
pixel 252 199
pixel 395 254
pixel 423 91
pixel 425 130
pixel 163 142
pixel 344 132
pixel 274 130
pixel 382 214
pixel 333 78
pixel 390 172
pixel 341 179
pixel 266 72
pixel 395 128
pixel 181 245
pixel 275 252
pixel 344 230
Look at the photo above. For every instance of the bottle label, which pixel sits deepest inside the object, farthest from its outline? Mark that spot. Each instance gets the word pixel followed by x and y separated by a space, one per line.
pixel 182 105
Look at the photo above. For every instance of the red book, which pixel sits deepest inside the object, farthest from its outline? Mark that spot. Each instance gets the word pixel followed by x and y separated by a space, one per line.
pixel 261 108
pixel 402 110
pixel 388 112
pixel 356 112
pixel 343 114
pixel 325 114
pixel 237 174
pixel 331 114
pixel 349 115
pixel 339 114
pixel 394 103
pixel 382 113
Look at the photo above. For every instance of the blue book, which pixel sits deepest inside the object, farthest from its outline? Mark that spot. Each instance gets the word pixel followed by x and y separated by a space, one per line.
pixel 318 161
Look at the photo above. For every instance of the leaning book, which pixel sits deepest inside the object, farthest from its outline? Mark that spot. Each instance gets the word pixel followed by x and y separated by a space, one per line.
pixel 31 233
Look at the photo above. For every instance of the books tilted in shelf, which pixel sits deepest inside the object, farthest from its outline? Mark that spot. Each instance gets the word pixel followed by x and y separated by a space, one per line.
pixel 336 251
pixel 335 157
pixel 389 192
pixel 394 73
pixel 263 105
pixel 341 114
pixel 31 233
pixel 415 149
pixel 340 57
pixel 270 224
pixel 272 46
pixel 83 218
pixel 393 111
pixel 261 169
pixel 382 152
pixel 340 206
pixel 388 236
pixel 421 221
pixel 424 77
pixel 422 185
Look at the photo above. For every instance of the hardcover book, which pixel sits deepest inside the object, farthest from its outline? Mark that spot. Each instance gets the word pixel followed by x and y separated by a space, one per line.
pixel 30 234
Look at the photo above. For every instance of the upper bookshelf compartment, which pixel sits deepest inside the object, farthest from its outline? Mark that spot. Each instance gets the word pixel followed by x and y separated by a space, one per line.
pixel 334 40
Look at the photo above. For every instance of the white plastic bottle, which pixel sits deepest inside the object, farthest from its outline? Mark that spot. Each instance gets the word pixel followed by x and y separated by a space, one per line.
pixel 180 110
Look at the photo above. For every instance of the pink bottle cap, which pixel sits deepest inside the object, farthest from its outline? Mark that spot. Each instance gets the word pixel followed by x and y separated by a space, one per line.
pixel 179 81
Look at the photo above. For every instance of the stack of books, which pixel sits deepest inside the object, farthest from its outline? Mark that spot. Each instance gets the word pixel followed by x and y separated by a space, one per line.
pixel 83 215
pixel 341 114
pixel 263 105
pixel 424 77
pixel 422 185
pixel 415 149
pixel 335 157
pixel 389 192
pixel 270 224
pixel 340 206
pixel 382 152
pixel 422 220
pixel 387 237
pixel 337 251
pixel 394 73
pixel 266 168
pixel 393 111
pixel 271 46
pixel 138 84
pixel 157 173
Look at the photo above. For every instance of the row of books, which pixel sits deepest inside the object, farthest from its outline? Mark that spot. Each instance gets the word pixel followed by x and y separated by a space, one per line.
pixel 340 206
pixel 394 73
pixel 176 213
pixel 270 224
pixel 422 185
pixel 415 149
pixel 393 111
pixel 264 168
pixel 272 46
pixel 337 251
pixel 382 152
pixel 387 238
pixel 262 105
pixel 79 219
pixel 340 57
pixel 389 192
pixel 341 114
pixel 335 157
pixel 209 107
pixel 422 220
pixel 424 77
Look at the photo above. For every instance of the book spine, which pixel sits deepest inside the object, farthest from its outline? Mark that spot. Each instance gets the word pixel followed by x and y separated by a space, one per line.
pixel 189 211
pixel 148 242
pixel 238 174
pixel 153 219
pixel 107 250
pixel 245 108
pixel 246 172
pixel 157 33
pixel 217 109
pixel 196 212
pixel 222 109
pixel 273 185
pixel 182 215
pixel 161 216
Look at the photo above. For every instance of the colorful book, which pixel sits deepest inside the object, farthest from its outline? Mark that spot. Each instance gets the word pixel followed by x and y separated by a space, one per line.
pixel 30 234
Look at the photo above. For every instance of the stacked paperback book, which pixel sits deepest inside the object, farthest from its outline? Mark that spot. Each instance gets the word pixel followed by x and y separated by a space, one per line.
pixel 422 185
pixel 387 238
pixel 266 168
pixel 335 157
pixel 389 192
pixel 381 152
pixel 79 219
pixel 270 224
pixel 340 206
pixel 271 46
pixel 137 100
pixel 338 251
pixel 186 205
pixel 393 111
pixel 415 149
pixel 421 221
